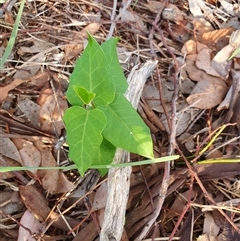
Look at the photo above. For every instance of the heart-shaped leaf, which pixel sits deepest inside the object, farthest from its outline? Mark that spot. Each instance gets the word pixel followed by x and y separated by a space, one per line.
pixel 84 130
pixel 126 129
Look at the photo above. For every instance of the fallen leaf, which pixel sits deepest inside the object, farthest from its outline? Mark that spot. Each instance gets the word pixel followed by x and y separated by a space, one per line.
pixel 5 145
pixel 36 47
pixel 30 155
pixel 209 226
pixel 221 63
pixel 100 197
pixel 51 112
pixel 128 16
pixel 217 39
pixel 203 62
pixel 29 222
pixel 31 110
pixel 53 181
pixel 40 79
pixel 35 202
pixel 5 89
pixel 206 94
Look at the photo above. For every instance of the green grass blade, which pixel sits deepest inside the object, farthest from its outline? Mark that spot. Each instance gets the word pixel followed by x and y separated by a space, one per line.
pixel 145 162
pixel 221 160
pixel 13 36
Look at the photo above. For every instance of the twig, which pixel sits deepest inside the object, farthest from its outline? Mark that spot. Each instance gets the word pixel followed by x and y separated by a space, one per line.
pixel 194 174
pixel 166 177
pixel 118 180
pixel 113 24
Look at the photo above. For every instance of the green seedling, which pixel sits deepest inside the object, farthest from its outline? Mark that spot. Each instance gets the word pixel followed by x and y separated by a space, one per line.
pixel 101 118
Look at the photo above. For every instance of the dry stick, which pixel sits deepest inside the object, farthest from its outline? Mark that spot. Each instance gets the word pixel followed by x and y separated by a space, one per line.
pixel 166 176
pixel 194 174
pixel 147 187
pixel 185 209
pixel 113 24
pixel 119 179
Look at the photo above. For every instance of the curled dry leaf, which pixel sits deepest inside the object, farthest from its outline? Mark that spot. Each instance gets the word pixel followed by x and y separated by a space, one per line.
pixel 75 47
pixel 5 89
pixel 227 100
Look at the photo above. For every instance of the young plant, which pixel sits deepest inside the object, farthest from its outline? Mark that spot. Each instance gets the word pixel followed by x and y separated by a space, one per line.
pixel 101 118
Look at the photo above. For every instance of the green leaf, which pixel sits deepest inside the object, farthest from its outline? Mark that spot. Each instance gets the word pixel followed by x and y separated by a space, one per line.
pixel 91 73
pixel 104 156
pixel 126 129
pixel 85 96
pixel 114 67
pixel 84 134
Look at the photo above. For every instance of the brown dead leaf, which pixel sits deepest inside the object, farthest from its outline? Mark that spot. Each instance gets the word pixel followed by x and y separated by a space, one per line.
pixel 53 181
pixel 203 62
pixel 40 79
pixel 196 74
pixel 51 112
pixel 10 203
pixel 201 26
pixel 206 94
pixel 180 202
pixel 31 110
pixel 100 197
pixel 217 39
pixel 190 47
pixel 35 202
pixel 36 47
pixel 28 221
pixel 130 16
pixel 30 155
pixel 5 89
pixel 5 145
pixel 8 18
pixel 153 6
